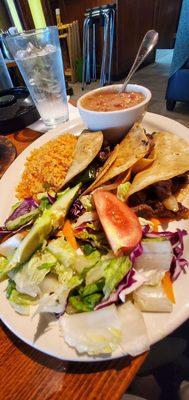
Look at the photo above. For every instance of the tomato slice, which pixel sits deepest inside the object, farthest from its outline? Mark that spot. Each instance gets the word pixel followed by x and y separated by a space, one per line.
pixel 119 222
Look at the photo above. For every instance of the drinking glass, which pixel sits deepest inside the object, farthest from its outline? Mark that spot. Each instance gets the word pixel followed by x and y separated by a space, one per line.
pixel 5 79
pixel 39 59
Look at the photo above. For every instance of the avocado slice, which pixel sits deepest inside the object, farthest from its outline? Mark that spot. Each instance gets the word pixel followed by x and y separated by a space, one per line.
pixel 50 220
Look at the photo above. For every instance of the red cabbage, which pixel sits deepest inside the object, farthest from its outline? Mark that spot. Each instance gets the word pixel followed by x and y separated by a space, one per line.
pixel 138 250
pixel 51 198
pixel 76 209
pixel 26 206
pixel 178 264
pixel 129 283
pixel 145 229
pixel 5 231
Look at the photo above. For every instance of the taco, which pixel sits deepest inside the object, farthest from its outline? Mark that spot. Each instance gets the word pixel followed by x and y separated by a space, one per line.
pixel 87 148
pixel 156 190
pixel 134 147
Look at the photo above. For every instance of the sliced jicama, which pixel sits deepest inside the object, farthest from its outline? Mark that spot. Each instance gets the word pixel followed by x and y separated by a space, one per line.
pixel 134 333
pixel 157 255
pixel 152 299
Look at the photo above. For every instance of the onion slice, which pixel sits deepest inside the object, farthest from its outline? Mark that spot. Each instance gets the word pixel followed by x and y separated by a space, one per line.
pixel 171 203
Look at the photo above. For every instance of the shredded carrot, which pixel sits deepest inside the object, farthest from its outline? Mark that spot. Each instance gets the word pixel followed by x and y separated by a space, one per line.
pixel 156 224
pixel 69 235
pixel 168 287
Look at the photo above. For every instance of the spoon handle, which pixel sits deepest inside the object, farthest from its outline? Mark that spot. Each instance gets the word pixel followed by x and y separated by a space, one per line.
pixel 148 43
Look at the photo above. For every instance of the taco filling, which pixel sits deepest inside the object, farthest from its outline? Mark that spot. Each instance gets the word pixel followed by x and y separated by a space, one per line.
pixel 160 199
pixel 159 189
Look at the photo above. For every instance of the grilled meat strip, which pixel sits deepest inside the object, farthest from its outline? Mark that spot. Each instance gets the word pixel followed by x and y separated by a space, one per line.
pixel 148 202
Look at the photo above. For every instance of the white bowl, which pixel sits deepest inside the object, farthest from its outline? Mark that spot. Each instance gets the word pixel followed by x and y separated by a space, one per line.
pixel 114 124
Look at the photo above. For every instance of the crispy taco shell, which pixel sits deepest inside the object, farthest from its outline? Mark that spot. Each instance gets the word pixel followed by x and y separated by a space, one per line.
pixel 87 148
pixel 132 148
pixel 171 158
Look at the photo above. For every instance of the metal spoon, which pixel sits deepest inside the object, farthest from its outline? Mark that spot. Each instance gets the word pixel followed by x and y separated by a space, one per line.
pixel 148 43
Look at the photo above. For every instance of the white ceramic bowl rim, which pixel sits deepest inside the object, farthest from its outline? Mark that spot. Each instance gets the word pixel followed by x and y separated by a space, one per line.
pixel 131 87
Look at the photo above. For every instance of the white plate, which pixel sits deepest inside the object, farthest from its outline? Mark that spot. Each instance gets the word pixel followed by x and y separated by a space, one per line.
pixel 44 334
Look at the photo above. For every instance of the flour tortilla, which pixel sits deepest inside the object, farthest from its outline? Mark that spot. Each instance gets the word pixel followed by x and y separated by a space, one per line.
pixel 171 158
pixel 87 148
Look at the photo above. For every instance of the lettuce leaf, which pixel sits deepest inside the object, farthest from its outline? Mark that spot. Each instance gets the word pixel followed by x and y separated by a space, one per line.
pixel 88 202
pixel 114 273
pixel 123 191
pixel 93 333
pixel 70 263
pixel 87 249
pixel 19 301
pixel 67 276
pixel 63 252
pixel 83 263
pixel 85 298
pixel 53 302
pixel 29 277
pixel 97 239
pixel 3 265
pixel 97 272
pixel 134 332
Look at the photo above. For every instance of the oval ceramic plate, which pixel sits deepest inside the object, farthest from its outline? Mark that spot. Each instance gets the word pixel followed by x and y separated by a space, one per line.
pixel 42 332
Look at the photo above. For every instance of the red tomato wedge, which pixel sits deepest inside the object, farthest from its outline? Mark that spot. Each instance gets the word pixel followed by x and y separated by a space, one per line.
pixel 120 223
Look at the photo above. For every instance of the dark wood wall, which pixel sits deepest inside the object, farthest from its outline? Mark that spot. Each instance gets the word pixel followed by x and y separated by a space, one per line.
pixel 162 15
pixel 134 18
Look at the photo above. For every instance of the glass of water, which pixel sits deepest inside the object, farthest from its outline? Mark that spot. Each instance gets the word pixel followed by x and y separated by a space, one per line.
pixel 39 59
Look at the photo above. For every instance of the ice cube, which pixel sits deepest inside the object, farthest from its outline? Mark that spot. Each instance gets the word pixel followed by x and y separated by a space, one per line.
pixel 32 51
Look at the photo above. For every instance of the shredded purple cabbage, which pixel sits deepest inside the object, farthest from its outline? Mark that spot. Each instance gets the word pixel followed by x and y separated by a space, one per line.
pixel 129 283
pixel 51 198
pixel 126 285
pixel 4 231
pixel 76 209
pixel 178 264
pixel 25 207
pixel 138 250
pixel 103 154
pixel 133 279
pixel 145 229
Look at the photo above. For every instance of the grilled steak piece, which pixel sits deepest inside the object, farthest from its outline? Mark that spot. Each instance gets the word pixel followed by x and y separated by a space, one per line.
pixel 157 209
pixel 179 181
pixel 161 190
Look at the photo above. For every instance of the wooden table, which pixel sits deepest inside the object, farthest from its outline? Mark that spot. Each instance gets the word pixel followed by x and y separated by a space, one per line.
pixel 27 374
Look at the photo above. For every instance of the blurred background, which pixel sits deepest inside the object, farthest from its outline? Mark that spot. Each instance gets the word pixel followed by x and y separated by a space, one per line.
pixel 132 19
